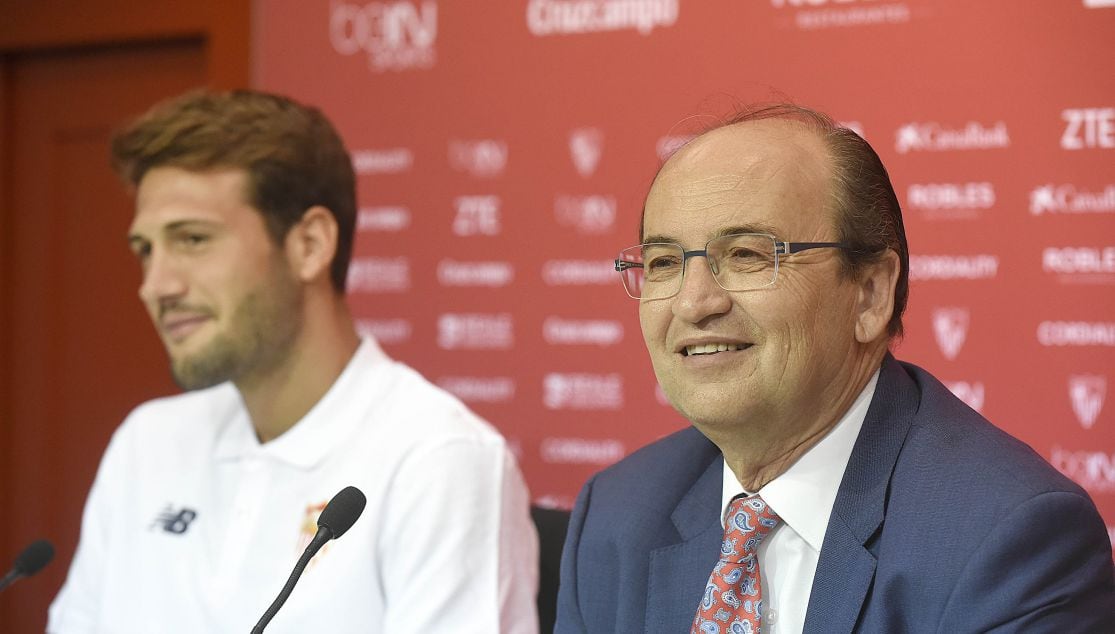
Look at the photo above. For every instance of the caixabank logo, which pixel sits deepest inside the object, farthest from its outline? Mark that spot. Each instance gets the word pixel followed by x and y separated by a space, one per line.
pixel 397 35
pixel 937 137
pixel 1071 199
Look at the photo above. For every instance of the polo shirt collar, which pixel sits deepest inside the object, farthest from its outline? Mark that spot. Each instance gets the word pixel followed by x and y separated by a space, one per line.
pixel 329 422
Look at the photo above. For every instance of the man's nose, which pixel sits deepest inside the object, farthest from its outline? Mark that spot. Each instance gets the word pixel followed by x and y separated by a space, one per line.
pixel 162 278
pixel 700 295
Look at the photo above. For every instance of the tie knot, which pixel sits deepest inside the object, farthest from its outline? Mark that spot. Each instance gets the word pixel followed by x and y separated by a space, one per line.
pixel 748 521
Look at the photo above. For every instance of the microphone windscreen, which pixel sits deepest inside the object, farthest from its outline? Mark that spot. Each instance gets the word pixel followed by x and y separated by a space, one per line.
pixel 34 557
pixel 341 512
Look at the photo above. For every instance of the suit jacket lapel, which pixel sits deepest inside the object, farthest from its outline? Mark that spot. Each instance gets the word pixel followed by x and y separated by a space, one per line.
pixel 847 563
pixel 678 572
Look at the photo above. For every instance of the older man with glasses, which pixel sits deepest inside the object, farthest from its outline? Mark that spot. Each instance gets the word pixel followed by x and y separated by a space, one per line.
pixel 824 486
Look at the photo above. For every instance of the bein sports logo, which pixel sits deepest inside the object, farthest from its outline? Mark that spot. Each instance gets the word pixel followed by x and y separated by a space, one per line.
pixel 1087 392
pixel 483 158
pixel 592 215
pixel 586 145
pixel 1093 470
pixel 471 331
pixel 396 35
pixel 950 327
pixel 932 137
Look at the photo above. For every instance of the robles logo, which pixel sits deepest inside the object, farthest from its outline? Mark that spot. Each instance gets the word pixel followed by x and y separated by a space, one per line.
pixel 950 327
pixel 378 275
pixel 1087 392
pixel 397 35
pixel 951 200
pixel 582 391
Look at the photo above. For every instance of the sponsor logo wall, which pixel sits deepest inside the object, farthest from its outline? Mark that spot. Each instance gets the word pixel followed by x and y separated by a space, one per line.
pixel 502 155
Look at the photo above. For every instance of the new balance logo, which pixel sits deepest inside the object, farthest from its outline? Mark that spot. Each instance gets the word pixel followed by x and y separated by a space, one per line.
pixel 172 521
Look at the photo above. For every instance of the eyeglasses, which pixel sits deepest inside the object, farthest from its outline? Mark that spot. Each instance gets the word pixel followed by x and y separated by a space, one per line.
pixel 739 262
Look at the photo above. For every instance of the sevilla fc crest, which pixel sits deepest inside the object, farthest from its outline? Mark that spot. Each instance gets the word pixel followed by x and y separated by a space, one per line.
pixel 1087 391
pixel 950 326
pixel 585 147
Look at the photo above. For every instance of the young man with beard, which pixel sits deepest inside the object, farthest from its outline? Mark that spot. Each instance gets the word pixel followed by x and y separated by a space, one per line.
pixel 824 486
pixel 243 227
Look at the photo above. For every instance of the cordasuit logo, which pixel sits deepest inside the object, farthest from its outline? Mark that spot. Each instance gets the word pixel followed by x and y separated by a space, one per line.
pixel 490 274
pixel 472 331
pixel 477 216
pixel 933 137
pixel 387 161
pixel 585 148
pixel 950 327
pixel 397 35
pixel 950 200
pixel 562 17
pixel 579 273
pixel 1087 128
pixel 972 393
pixel 474 389
pixel 1087 392
pixel 385 218
pixel 1093 470
pixel 581 451
pixel 582 391
pixel 571 332
pixel 1076 333
pixel 592 215
pixel 822 14
pixel 1067 199
pixel 953 267
pixel 387 331
pixel 378 275
pixel 482 158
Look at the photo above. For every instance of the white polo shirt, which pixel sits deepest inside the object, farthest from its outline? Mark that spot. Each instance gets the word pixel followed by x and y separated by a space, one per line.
pixel 193 526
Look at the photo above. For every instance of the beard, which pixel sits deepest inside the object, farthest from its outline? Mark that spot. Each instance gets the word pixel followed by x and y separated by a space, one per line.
pixel 260 337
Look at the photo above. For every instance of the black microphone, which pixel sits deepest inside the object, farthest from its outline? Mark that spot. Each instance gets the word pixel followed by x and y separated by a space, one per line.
pixel 33 559
pixel 335 519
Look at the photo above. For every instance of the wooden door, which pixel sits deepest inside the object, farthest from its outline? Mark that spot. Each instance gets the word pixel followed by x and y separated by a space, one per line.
pixel 76 348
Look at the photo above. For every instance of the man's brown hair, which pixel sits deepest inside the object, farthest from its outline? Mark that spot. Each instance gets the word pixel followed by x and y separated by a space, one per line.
pixel 292 155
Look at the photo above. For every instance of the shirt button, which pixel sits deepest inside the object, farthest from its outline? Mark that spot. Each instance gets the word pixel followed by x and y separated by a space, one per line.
pixel 771 617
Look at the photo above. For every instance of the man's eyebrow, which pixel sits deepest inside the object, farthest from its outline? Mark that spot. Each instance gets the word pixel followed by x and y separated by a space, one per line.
pixel 757 227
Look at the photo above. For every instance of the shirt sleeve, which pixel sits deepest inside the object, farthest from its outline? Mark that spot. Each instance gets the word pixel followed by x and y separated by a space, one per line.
pixel 459 551
pixel 76 608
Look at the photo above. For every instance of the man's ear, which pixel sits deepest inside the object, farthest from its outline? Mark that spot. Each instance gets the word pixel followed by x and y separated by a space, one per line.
pixel 875 303
pixel 311 244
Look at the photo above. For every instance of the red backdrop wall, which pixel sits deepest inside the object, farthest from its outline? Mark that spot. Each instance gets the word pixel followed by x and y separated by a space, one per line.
pixel 503 150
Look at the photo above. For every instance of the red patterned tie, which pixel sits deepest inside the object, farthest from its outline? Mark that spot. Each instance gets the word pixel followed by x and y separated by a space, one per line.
pixel 733 601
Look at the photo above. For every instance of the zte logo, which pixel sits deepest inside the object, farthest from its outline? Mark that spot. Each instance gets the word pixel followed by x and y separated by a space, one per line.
pixel 477 216
pixel 172 521
pixel 394 35
pixel 1088 128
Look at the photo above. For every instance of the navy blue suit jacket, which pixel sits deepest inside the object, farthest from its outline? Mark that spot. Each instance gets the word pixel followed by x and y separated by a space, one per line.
pixel 942 523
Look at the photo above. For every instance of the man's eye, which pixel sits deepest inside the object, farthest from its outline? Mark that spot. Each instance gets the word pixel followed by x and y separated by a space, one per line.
pixel 194 239
pixel 662 263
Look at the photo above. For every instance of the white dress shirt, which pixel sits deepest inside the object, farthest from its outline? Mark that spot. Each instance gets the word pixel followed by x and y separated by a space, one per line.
pixel 803 497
